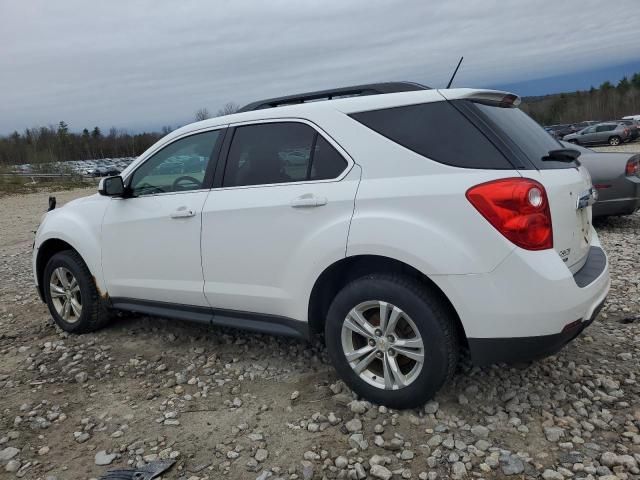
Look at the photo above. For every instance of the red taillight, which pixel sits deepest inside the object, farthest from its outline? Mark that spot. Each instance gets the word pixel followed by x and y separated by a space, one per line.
pixel 633 167
pixel 518 208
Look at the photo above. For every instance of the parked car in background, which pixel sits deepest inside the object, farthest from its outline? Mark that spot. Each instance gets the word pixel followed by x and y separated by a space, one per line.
pixel 612 133
pixel 559 131
pixel 587 123
pixel 616 177
pixel 633 126
pixel 632 117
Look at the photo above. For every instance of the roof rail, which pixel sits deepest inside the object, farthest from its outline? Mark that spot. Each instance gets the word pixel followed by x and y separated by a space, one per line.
pixel 354 91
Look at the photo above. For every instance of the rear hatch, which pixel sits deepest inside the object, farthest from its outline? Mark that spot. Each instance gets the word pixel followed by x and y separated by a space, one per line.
pixel 526 145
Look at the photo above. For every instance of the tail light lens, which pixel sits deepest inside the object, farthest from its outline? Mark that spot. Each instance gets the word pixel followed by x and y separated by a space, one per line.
pixel 518 208
pixel 633 167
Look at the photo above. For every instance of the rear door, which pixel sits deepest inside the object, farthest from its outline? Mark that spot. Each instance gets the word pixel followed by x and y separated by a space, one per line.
pixel 283 207
pixel 602 133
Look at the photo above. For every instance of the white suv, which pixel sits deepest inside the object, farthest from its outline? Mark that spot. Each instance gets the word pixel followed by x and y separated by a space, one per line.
pixel 403 223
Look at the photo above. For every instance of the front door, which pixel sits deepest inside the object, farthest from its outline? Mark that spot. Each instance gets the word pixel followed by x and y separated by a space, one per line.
pixel 151 240
pixel 284 207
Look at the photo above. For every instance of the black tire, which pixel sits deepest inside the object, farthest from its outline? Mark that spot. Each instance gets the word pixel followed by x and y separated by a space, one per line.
pixel 574 141
pixel 430 315
pixel 615 140
pixel 94 314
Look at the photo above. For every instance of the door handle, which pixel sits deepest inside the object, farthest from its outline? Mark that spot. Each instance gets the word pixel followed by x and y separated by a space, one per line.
pixel 308 201
pixel 182 212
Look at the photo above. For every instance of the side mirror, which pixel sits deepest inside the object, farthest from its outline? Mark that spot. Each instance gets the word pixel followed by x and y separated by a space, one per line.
pixel 111 186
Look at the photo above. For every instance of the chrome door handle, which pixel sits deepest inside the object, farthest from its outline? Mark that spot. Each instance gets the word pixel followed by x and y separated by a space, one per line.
pixel 182 212
pixel 308 201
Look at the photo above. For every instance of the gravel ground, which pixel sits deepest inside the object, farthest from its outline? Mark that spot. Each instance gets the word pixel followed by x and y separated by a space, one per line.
pixel 633 147
pixel 231 404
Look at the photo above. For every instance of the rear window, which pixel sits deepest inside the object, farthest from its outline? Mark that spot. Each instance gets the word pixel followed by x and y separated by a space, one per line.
pixel 437 131
pixel 522 134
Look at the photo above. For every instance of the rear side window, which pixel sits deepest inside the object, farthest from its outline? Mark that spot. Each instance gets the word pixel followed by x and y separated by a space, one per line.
pixel 437 131
pixel 281 152
pixel 522 134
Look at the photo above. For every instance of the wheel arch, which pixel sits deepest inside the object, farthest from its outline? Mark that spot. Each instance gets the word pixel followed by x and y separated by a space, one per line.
pixel 48 249
pixel 347 269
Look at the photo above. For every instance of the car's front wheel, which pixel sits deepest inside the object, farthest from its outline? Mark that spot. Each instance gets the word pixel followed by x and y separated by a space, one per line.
pixel 391 340
pixel 71 294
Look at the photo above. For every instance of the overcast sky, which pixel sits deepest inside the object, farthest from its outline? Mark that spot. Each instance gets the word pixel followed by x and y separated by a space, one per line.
pixel 144 64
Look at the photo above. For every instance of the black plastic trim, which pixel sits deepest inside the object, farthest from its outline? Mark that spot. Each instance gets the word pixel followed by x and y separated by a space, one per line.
pixel 593 267
pixel 256 322
pixel 356 90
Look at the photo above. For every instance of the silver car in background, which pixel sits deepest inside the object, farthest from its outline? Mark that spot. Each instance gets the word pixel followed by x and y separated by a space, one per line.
pixel 616 177
pixel 611 132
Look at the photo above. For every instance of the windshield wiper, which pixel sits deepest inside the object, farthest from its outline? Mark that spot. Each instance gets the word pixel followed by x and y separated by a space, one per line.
pixel 562 155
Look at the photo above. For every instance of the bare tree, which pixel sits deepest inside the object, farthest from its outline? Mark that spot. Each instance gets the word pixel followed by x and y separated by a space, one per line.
pixel 228 109
pixel 202 114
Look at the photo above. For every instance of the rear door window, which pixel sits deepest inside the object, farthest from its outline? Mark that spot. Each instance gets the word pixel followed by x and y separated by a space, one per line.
pixel 280 152
pixel 437 131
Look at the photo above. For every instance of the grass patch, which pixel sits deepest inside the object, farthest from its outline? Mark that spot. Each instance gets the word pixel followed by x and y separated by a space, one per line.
pixel 19 185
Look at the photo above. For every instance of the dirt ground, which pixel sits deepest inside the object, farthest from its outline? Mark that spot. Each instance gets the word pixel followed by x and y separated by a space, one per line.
pixel 231 404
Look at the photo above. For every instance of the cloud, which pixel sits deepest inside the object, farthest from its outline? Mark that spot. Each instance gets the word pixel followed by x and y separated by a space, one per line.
pixel 143 64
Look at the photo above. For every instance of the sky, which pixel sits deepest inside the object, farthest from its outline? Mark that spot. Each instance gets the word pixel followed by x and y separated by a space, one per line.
pixel 143 64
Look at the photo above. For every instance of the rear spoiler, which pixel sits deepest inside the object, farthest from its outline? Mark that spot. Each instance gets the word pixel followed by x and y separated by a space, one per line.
pixel 495 98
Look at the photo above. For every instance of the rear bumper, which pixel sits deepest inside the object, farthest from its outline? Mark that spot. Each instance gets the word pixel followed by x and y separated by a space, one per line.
pixel 530 306
pixel 487 351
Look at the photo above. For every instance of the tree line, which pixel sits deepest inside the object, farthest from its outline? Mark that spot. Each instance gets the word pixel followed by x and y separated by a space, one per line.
pixel 607 102
pixel 51 144
pixel 39 145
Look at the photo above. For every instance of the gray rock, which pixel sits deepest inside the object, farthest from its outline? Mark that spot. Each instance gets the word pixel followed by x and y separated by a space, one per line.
pixel 511 465
pixel 13 466
pixel 354 425
pixel 104 458
pixel 549 474
pixel 431 407
pixel 378 471
pixel 264 475
pixel 261 455
pixel 8 453
pixel 480 431
pixel 554 434
pixel 341 462
pixel 307 469
pixel 458 470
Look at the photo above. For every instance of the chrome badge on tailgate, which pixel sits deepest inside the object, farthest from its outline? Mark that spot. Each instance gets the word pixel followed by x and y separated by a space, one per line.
pixel 587 198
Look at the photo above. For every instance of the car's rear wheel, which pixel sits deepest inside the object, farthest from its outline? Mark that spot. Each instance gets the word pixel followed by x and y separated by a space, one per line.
pixel 391 340
pixel 71 294
pixel 614 140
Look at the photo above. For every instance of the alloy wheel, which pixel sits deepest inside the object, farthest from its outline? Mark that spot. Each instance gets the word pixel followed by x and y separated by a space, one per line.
pixel 382 345
pixel 65 295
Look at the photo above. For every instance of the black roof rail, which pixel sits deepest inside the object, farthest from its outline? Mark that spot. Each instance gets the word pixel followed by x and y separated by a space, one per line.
pixel 354 91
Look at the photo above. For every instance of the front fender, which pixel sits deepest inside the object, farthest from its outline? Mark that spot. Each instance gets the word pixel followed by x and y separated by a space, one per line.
pixel 79 225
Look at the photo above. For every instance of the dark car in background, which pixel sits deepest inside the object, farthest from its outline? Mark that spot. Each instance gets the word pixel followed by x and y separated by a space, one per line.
pixel 613 133
pixel 559 131
pixel 616 177
pixel 633 126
